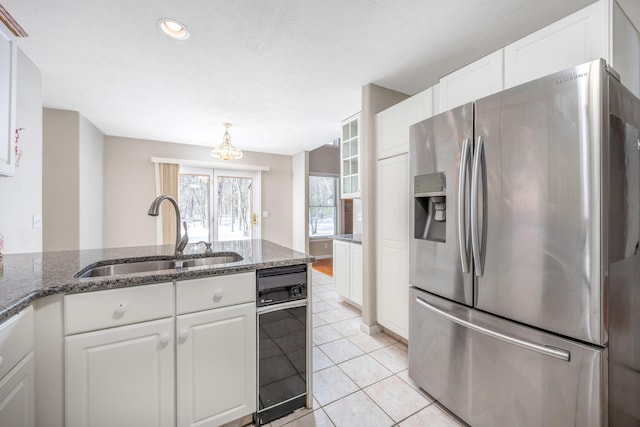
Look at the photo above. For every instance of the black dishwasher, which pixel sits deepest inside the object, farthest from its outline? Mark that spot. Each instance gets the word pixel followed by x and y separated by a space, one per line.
pixel 282 341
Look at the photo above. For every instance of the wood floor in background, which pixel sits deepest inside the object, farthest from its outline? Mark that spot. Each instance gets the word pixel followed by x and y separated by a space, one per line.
pixel 324 266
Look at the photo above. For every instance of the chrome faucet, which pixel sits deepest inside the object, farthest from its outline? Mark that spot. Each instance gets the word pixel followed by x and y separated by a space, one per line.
pixel 207 245
pixel 154 210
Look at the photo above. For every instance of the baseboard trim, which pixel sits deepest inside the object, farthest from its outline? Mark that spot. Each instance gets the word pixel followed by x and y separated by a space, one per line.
pixel 370 330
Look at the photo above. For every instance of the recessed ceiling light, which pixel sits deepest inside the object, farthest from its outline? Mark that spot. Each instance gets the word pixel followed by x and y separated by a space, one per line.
pixel 173 28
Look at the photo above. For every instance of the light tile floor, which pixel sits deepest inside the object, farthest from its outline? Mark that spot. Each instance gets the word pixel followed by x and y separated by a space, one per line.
pixel 358 379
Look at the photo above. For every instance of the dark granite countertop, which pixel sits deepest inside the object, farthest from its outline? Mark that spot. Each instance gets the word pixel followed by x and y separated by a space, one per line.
pixel 26 277
pixel 353 238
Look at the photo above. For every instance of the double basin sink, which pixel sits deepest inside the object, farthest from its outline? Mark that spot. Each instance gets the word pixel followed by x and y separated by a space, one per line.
pixel 102 269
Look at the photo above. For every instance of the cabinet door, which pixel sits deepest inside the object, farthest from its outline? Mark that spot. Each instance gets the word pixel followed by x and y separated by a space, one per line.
pixel 355 276
pixel 350 158
pixel 121 376
pixel 476 80
pixel 626 50
pixel 580 37
pixel 216 365
pixel 392 124
pixel 17 398
pixel 392 225
pixel 341 271
pixel 8 61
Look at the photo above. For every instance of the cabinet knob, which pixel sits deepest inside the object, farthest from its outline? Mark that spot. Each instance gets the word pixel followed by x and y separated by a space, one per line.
pixel 121 309
pixel 217 296
pixel 184 334
pixel 165 338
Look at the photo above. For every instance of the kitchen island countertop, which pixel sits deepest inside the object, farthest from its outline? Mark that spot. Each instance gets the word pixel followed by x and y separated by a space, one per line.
pixel 25 278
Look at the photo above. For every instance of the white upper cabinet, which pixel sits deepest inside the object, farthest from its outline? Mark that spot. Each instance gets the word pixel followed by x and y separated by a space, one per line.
pixel 8 66
pixel 626 50
pixel 580 37
pixel 476 80
pixel 392 124
pixel 350 158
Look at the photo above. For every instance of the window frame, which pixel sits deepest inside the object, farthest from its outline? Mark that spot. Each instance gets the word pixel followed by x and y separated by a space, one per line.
pixel 337 206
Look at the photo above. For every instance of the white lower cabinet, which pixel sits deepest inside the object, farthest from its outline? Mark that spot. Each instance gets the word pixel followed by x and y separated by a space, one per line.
pixel 17 386
pixel 347 270
pixel 216 365
pixel 17 395
pixel 216 349
pixel 121 376
pixel 130 371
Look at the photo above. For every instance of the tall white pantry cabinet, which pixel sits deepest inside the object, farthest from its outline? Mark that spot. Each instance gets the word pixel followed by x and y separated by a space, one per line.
pixel 601 30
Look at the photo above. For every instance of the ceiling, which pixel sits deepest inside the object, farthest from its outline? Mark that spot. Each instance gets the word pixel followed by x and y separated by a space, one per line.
pixel 283 72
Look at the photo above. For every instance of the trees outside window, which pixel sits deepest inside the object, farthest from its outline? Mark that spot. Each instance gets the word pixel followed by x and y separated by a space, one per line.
pixel 194 199
pixel 218 205
pixel 323 218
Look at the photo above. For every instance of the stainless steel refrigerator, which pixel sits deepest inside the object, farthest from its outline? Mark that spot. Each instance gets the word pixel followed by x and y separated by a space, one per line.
pixel 525 271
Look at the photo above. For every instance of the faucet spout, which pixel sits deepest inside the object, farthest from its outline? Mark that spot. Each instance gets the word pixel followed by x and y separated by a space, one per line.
pixel 154 210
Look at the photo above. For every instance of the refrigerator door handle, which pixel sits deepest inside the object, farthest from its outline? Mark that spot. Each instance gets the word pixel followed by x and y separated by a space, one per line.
pixel 558 353
pixel 475 178
pixel 462 190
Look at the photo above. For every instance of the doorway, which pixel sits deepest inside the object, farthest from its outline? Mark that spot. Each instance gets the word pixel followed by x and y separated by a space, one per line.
pixel 220 205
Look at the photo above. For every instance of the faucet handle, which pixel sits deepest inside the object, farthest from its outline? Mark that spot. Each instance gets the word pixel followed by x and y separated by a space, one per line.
pixel 207 245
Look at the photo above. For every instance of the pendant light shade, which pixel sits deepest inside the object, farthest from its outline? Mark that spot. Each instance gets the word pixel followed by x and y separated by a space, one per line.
pixel 226 151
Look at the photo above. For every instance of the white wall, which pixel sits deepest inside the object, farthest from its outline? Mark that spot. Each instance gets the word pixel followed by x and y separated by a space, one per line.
pixel 60 215
pixel 21 195
pixel 91 148
pixel 300 209
pixel 129 189
pixel 72 182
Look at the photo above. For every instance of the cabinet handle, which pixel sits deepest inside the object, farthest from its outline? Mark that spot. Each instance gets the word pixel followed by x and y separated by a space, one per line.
pixel 164 339
pixel 217 296
pixel 183 335
pixel 1 360
pixel 121 309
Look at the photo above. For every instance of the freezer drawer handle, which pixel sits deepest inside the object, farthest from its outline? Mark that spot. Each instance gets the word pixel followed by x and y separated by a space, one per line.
pixel 548 351
pixel 462 221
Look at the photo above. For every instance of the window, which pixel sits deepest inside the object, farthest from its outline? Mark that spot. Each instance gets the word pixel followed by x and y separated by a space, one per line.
pixel 323 213
pixel 219 205
pixel 194 199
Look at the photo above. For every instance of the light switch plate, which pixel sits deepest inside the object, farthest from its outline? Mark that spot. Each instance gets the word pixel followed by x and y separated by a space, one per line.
pixel 37 221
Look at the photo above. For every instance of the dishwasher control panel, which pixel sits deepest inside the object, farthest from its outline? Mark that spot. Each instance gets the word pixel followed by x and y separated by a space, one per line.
pixel 281 284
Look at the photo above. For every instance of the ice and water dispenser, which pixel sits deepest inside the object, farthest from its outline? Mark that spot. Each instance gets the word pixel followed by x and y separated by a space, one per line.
pixel 430 207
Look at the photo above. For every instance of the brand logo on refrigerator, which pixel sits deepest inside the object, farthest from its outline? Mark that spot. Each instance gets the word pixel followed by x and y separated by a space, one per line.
pixel 571 78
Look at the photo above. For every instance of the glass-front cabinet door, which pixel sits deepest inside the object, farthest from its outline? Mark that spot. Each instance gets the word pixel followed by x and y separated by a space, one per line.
pixel 350 158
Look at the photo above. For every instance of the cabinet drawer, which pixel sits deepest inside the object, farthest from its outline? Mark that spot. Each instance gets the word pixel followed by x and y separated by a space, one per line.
pixel 115 307
pixel 16 339
pixel 213 292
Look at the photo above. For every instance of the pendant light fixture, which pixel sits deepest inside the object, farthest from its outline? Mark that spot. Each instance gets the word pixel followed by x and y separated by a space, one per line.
pixel 226 151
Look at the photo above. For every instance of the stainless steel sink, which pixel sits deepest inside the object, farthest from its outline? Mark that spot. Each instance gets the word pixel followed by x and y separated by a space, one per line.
pixel 158 265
